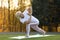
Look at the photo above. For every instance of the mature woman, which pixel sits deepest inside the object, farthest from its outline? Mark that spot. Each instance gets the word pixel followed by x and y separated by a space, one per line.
pixel 30 21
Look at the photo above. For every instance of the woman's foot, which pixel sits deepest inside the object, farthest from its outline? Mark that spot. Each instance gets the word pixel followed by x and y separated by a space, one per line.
pixel 44 33
pixel 27 36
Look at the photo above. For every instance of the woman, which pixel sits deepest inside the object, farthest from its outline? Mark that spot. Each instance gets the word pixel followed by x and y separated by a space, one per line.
pixel 30 21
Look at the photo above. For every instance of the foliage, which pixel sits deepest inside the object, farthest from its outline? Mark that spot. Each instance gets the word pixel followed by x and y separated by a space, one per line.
pixel 46 11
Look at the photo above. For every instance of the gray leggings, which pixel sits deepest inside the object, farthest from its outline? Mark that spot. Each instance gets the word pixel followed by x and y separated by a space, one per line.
pixel 33 26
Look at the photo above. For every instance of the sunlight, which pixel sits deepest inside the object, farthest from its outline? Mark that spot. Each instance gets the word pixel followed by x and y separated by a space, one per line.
pixel 13 4
pixel 0 3
pixel 27 2
pixel 31 36
pixel 4 3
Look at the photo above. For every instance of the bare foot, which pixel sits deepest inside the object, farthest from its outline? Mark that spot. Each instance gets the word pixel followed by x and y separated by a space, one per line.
pixel 44 33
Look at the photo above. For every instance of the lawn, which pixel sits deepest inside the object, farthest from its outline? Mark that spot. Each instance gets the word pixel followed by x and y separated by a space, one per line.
pixel 6 37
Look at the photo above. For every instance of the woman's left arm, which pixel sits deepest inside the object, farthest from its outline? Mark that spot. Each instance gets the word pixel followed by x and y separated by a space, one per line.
pixel 29 11
pixel 30 14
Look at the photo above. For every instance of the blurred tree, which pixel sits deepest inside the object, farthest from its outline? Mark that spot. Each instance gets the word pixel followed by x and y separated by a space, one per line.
pixel 40 10
pixel 47 11
pixel 57 17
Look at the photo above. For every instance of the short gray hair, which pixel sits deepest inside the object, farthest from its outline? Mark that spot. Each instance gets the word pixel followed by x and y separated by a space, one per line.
pixel 17 14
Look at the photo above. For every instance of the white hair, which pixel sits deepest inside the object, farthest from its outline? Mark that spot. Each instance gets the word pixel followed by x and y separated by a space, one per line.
pixel 17 14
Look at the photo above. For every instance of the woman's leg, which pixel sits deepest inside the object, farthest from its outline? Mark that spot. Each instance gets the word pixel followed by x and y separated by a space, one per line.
pixel 35 27
pixel 27 30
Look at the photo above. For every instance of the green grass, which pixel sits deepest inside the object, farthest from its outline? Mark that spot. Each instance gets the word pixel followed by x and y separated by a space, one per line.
pixel 6 37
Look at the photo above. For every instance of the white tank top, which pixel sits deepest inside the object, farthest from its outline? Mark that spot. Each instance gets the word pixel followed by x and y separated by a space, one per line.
pixel 26 17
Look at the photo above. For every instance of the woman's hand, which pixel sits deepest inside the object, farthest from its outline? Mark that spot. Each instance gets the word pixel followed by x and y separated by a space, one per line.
pixel 27 22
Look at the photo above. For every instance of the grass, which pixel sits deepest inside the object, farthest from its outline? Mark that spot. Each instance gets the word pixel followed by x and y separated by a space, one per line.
pixel 6 37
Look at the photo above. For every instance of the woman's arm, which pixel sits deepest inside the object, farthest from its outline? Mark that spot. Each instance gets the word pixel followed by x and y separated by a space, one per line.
pixel 30 14
pixel 29 9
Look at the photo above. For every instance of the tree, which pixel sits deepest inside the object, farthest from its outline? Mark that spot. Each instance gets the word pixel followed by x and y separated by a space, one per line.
pixel 40 10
